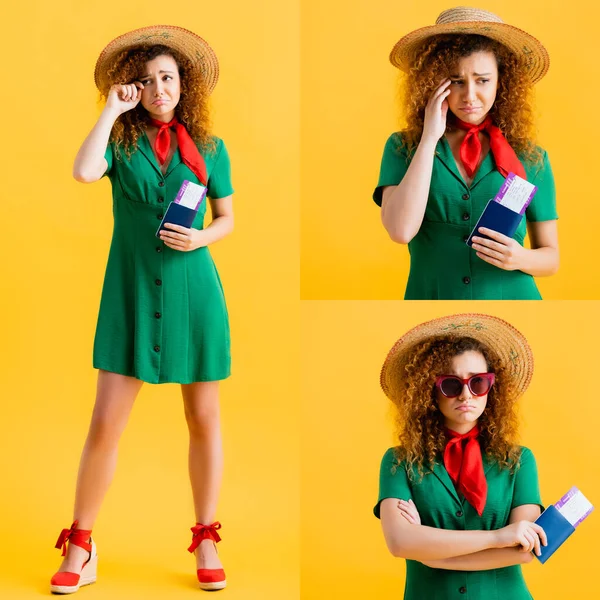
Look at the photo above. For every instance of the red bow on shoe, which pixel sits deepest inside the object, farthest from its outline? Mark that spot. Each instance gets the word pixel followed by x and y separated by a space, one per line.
pixel 79 537
pixel 204 532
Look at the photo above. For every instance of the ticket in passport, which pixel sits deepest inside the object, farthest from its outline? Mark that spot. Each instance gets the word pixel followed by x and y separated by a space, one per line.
pixel 574 506
pixel 190 195
pixel 516 193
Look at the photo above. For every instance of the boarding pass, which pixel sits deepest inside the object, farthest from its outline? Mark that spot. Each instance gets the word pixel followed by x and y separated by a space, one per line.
pixel 190 195
pixel 516 193
pixel 574 506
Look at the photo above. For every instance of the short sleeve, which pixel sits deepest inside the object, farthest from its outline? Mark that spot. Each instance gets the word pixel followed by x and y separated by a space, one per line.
pixel 394 165
pixel 527 487
pixel 393 480
pixel 108 155
pixel 219 180
pixel 543 205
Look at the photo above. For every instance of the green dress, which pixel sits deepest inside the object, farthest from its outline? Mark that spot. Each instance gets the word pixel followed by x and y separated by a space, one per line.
pixel 162 314
pixel 442 266
pixel 440 506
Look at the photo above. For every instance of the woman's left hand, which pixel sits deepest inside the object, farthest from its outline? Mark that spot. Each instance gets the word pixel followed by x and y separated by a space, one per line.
pixel 181 238
pixel 500 251
pixel 409 511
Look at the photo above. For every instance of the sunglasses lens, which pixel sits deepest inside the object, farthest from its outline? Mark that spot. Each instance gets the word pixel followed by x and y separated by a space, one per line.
pixel 451 387
pixel 480 385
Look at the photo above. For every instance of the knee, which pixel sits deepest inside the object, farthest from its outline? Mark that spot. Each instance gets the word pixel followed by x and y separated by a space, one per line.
pixel 202 418
pixel 105 431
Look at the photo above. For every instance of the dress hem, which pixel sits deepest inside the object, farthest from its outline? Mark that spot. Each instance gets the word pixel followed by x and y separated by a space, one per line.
pixel 154 381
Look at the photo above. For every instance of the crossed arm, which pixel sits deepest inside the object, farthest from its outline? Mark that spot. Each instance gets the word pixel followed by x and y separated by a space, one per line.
pixel 461 550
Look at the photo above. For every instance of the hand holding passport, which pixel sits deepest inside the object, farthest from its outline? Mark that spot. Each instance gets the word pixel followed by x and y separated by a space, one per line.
pixel 183 210
pixel 504 212
pixel 560 520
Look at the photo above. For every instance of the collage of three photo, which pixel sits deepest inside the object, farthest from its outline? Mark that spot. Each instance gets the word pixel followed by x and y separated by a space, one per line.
pixel 349 249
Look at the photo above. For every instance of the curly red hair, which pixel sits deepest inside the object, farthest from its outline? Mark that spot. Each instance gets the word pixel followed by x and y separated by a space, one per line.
pixel 512 111
pixel 421 433
pixel 192 109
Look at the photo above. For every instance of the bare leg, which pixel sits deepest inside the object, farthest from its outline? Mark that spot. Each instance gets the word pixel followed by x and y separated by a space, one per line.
pixel 201 403
pixel 114 400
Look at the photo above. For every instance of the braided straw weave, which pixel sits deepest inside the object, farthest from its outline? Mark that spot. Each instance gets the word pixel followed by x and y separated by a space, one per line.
pixel 500 337
pixel 465 20
pixel 186 42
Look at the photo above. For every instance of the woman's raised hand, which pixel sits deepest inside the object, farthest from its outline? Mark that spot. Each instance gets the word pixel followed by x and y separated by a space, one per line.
pixel 526 534
pixel 122 98
pixel 436 110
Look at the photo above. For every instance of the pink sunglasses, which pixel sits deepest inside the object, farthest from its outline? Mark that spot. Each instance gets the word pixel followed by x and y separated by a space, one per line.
pixel 451 386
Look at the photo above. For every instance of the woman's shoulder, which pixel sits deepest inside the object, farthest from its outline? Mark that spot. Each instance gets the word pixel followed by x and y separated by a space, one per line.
pixel 392 458
pixel 213 148
pixel 525 454
pixel 536 160
pixel 217 141
pixel 396 141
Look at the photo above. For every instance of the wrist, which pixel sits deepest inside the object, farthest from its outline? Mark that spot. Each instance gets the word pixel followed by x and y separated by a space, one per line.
pixel 523 261
pixel 428 143
pixel 110 113
pixel 494 539
pixel 199 239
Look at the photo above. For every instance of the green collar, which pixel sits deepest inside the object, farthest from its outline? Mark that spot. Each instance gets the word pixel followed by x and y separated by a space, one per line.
pixel 440 472
pixel 146 150
pixel 444 153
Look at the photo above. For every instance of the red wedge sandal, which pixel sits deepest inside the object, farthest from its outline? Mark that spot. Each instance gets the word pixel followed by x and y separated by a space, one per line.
pixel 66 582
pixel 210 579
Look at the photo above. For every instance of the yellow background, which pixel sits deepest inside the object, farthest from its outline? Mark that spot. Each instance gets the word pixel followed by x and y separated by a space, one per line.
pixel 55 244
pixel 346 428
pixel 349 108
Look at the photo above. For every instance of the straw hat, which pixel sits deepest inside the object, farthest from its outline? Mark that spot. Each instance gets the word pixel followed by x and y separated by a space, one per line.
pixel 185 42
pixel 465 20
pixel 500 337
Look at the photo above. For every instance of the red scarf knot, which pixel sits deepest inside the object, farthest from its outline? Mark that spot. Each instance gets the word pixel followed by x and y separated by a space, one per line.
pixel 463 461
pixel 190 154
pixel 204 532
pixel 470 149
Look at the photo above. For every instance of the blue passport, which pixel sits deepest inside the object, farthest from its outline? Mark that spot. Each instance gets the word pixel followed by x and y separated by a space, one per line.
pixel 178 215
pixel 497 217
pixel 557 529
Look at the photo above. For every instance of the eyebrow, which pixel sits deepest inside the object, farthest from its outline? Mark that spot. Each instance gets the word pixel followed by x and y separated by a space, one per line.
pixel 148 75
pixel 470 374
pixel 476 75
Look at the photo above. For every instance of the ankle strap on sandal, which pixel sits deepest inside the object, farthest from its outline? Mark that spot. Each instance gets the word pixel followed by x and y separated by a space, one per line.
pixel 204 532
pixel 78 537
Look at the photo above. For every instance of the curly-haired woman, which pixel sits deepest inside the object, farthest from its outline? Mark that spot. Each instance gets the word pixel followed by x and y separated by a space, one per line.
pixel 469 123
pixel 162 314
pixel 458 497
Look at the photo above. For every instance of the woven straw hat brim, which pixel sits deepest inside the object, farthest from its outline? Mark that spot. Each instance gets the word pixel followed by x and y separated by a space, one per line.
pixel 500 337
pixel 533 54
pixel 185 42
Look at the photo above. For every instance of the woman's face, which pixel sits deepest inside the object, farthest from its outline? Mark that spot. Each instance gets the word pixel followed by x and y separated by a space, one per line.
pixel 473 88
pixel 162 87
pixel 461 413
